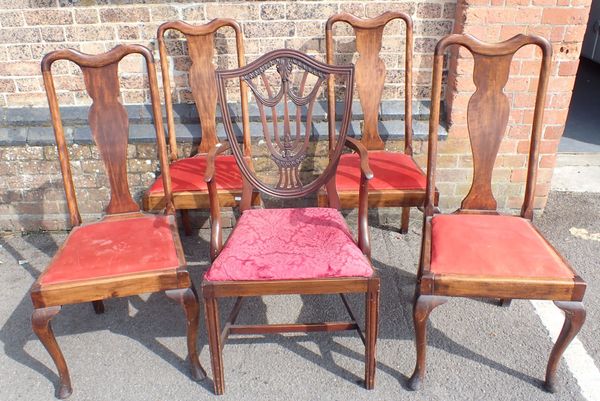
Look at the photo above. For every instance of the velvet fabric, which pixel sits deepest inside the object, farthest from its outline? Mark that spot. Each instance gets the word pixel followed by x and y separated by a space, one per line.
pixel 391 170
pixel 187 175
pixel 492 245
pixel 289 244
pixel 114 248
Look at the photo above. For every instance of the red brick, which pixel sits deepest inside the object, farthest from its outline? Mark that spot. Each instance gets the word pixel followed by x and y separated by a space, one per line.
pixel 553 131
pixel 548 161
pixel 565 16
pixel 529 15
pixel 501 15
pixel 568 67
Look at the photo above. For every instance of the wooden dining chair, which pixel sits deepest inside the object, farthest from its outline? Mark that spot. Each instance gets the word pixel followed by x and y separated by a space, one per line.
pixel 476 251
pixel 187 173
pixel 305 250
pixel 127 252
pixel 398 180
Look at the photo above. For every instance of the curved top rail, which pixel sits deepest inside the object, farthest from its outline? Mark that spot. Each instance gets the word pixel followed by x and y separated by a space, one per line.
pixel 368 23
pixel 95 60
pixel 197 30
pixel 504 48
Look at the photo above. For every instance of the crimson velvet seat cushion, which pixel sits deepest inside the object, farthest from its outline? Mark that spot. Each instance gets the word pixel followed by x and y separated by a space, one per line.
pixel 492 245
pixel 114 248
pixel 391 170
pixel 289 244
pixel 187 175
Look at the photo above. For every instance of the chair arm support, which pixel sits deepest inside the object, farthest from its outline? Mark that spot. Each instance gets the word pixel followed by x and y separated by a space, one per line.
pixel 364 237
pixel 216 233
pixel 216 150
pixel 363 154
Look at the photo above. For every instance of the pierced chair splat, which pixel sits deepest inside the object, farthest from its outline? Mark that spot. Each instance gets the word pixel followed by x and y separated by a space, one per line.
pixel 144 250
pixel 187 173
pixel 398 180
pixel 476 251
pixel 303 250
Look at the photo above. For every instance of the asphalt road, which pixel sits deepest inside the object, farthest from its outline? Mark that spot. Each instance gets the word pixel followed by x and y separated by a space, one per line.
pixel 135 351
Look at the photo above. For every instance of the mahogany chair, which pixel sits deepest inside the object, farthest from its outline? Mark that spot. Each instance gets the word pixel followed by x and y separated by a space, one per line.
pixel 398 180
pixel 187 174
pixel 306 250
pixel 127 252
pixel 476 251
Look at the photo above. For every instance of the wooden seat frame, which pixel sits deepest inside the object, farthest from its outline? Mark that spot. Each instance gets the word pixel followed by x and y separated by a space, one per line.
pixel 109 126
pixel 201 44
pixel 487 118
pixel 370 79
pixel 212 290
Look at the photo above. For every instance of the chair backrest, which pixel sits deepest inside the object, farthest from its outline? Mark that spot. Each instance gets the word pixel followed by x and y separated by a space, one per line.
pixel 487 116
pixel 371 71
pixel 279 80
pixel 201 47
pixel 108 123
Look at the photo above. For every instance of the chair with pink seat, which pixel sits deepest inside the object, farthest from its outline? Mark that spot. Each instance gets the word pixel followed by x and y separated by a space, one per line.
pixel 302 250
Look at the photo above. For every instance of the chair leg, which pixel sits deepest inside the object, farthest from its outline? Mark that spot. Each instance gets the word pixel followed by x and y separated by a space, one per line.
pixel 98 307
pixel 504 302
pixel 372 325
pixel 188 299
pixel 422 307
pixel 214 342
pixel 574 318
pixel 187 223
pixel 405 220
pixel 40 322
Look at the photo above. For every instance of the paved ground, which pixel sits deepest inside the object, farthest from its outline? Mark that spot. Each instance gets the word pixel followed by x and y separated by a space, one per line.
pixel 134 351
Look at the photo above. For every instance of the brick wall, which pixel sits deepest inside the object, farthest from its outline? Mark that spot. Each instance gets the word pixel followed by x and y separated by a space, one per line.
pixel 31 194
pixel 30 29
pixel 563 22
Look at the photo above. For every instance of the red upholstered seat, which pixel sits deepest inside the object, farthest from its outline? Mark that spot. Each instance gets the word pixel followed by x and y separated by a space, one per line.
pixel 288 244
pixel 113 248
pixel 492 245
pixel 391 170
pixel 188 175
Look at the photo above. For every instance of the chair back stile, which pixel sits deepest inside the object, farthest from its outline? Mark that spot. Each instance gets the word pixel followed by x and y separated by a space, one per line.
pixel 108 122
pixel 487 117
pixel 371 72
pixel 288 138
pixel 201 46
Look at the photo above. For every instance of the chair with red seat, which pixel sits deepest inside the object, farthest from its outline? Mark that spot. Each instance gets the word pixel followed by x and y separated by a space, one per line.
pixel 476 251
pixel 127 252
pixel 305 250
pixel 187 173
pixel 398 179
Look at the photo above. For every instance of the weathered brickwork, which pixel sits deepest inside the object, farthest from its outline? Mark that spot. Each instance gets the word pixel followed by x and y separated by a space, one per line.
pixel 31 194
pixel 563 22
pixel 30 29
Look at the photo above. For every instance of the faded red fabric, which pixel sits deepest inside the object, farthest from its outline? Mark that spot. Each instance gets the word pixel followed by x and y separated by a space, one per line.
pixel 188 174
pixel 289 244
pixel 492 245
pixel 113 248
pixel 391 170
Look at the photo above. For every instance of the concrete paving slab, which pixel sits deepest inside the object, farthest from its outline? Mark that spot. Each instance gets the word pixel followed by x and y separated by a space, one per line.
pixel 135 350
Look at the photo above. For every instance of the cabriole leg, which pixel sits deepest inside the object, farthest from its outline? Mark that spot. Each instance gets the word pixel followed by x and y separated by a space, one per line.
pixel 189 301
pixel 40 322
pixel 574 318
pixel 405 220
pixel 98 307
pixel 422 307
pixel 187 223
